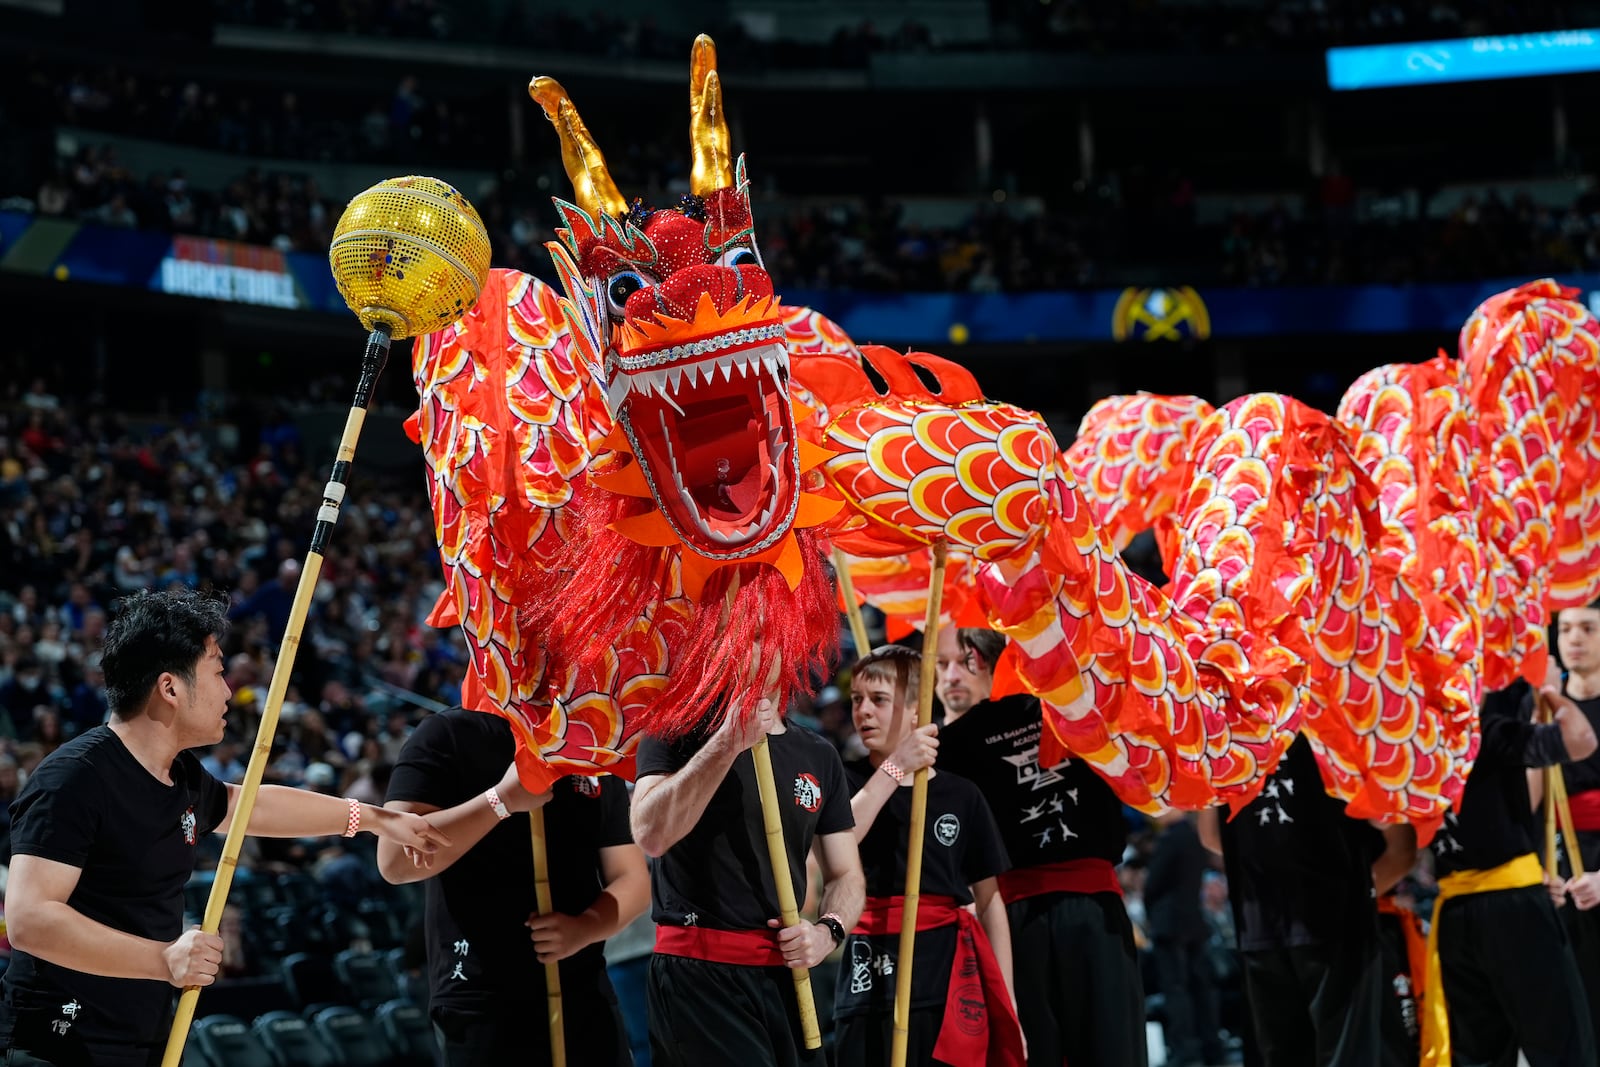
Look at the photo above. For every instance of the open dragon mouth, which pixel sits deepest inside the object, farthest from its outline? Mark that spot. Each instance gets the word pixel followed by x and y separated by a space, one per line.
pixel 714 434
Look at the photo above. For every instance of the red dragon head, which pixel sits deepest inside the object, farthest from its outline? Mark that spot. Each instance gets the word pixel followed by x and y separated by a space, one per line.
pixel 675 312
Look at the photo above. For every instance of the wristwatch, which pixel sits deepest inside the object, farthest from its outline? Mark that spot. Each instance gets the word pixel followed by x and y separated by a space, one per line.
pixel 834 926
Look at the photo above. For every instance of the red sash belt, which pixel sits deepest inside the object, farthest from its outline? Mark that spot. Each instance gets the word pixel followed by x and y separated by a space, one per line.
pixel 1068 876
pixel 742 948
pixel 980 1024
pixel 1585 811
pixel 1416 942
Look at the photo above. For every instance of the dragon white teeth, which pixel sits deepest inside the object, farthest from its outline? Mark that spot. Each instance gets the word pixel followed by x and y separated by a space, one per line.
pixel 617 392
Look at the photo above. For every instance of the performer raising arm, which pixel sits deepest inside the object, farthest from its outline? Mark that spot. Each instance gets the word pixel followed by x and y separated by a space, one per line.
pixel 719 989
pixel 103 840
pixel 973 1021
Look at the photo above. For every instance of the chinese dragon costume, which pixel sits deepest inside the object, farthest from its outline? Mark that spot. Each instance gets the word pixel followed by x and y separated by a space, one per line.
pixel 636 483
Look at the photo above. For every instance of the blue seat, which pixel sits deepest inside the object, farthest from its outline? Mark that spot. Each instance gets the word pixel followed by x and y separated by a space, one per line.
pixel 227 1041
pixel 366 978
pixel 357 1041
pixel 409 1033
pixel 311 980
pixel 291 1042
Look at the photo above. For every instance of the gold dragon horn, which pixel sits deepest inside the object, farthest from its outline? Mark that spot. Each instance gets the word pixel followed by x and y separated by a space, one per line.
pixel 708 123
pixel 592 187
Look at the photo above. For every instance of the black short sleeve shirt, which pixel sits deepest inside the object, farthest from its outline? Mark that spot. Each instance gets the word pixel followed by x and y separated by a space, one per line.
pixel 479 953
pixel 719 875
pixel 92 805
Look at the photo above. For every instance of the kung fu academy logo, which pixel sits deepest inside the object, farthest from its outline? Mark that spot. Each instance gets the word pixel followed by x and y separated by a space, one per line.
pixel 807 792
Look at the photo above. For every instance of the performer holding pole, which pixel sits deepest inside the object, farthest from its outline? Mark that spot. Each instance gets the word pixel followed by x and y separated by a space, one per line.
pixel 490 939
pixel 408 255
pixel 961 1008
pixel 1578 641
pixel 719 989
pixel 103 840
pixel 1501 973
pixel 1079 995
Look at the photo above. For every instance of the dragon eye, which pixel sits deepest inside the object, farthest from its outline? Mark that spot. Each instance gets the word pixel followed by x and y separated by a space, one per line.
pixel 620 286
pixel 738 257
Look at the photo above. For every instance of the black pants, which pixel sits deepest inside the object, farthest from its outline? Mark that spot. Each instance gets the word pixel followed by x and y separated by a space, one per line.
pixel 1079 995
pixel 1316 1005
pixel 1511 982
pixel 867 1040
pixel 1399 1022
pixel 1184 970
pixel 719 1015
pixel 591 1025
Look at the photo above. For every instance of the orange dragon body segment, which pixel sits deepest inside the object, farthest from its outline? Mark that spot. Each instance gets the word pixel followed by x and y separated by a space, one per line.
pixel 635 483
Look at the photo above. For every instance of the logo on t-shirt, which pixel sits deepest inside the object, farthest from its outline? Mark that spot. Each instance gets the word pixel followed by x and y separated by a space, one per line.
pixel 187 824
pixel 585 786
pixel 807 791
pixel 946 829
pixel 69 1014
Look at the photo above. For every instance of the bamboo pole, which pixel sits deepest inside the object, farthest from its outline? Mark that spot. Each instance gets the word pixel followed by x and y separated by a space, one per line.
pixel 1557 812
pixel 919 818
pixel 377 354
pixel 552 971
pixel 783 881
pixel 847 588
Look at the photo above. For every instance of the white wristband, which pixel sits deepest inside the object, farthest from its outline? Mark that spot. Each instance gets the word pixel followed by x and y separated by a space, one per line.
pixel 892 771
pixel 500 809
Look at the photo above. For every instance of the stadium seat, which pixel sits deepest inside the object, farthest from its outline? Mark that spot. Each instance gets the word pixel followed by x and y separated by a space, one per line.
pixel 312 981
pixel 408 1031
pixel 291 1041
pixel 409 984
pixel 226 1041
pixel 245 998
pixel 356 1039
pixel 366 978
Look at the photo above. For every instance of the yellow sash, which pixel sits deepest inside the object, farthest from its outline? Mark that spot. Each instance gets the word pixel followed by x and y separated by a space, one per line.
pixel 1520 873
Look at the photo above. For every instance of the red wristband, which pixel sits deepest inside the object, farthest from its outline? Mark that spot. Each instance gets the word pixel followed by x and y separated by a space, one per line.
pixel 354 824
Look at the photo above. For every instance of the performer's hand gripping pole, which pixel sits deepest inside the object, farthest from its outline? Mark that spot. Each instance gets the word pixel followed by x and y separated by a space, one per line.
pixel 1557 810
pixel 372 362
pixel 919 817
pixel 552 971
pixel 788 910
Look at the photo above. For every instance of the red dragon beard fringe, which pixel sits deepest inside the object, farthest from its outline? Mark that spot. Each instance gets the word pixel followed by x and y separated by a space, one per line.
pixel 603 583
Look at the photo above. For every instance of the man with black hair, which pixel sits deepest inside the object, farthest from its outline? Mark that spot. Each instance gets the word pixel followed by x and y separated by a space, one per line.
pixel 103 839
pixel 1079 994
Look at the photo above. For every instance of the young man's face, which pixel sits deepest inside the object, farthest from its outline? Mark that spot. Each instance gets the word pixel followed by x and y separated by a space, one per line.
pixel 1578 639
pixel 880 712
pixel 962 681
pixel 203 703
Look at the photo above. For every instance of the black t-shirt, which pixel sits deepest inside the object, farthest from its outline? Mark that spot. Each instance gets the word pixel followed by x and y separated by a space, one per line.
pixel 719 874
pixel 1046 814
pixel 1584 775
pixel 478 950
pixel 90 804
pixel 1580 777
pixel 1493 822
pixel 960 846
pixel 1299 868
